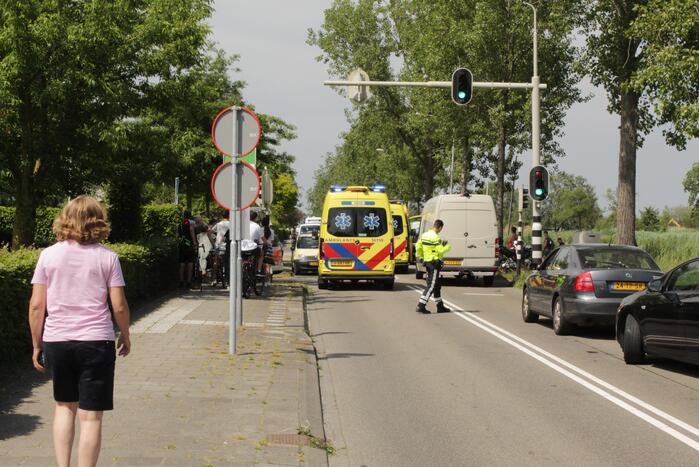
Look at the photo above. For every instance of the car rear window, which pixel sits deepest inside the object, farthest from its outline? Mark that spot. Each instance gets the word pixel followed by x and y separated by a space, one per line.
pixel 615 258
pixel 307 242
pixel 357 222
pixel 308 229
pixel 397 225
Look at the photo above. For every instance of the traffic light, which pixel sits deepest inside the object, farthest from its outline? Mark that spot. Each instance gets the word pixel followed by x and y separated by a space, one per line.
pixel 461 86
pixel 523 199
pixel 539 182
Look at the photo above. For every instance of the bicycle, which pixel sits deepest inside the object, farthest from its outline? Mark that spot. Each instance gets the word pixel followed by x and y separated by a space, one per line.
pixel 252 281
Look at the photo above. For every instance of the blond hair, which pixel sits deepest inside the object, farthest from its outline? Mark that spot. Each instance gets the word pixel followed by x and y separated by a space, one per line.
pixel 83 219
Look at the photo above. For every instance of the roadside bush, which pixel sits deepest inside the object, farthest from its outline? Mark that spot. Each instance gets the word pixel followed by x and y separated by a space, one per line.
pixel 149 271
pixel 670 248
pixel 160 220
pixel 16 269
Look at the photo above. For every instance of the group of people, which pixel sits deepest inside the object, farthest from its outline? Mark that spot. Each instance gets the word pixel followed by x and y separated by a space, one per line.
pixel 547 244
pixel 211 242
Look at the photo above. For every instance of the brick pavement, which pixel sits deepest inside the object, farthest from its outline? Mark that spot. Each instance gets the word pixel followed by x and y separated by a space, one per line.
pixel 182 400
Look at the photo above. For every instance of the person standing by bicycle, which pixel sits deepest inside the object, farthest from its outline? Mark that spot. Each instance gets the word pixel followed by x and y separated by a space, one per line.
pixel 221 248
pixel 187 246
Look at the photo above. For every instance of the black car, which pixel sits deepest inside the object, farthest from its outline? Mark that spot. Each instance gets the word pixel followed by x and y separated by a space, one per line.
pixel 663 320
pixel 584 284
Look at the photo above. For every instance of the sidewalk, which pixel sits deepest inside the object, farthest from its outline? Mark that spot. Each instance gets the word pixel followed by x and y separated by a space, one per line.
pixel 181 400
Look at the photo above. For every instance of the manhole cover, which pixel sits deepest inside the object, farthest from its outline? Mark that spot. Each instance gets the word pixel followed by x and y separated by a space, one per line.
pixel 285 438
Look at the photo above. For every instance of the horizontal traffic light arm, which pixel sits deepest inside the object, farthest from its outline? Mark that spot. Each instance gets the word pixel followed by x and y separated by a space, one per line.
pixel 432 84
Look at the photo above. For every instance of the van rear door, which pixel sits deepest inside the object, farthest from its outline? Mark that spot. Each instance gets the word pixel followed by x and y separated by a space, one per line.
pixel 480 242
pixel 455 231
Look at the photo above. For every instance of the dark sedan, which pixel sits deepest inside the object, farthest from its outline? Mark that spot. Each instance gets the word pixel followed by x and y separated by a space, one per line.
pixel 584 284
pixel 663 320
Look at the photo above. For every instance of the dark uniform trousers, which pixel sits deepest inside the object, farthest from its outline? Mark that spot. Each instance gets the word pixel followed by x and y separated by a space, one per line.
pixel 434 283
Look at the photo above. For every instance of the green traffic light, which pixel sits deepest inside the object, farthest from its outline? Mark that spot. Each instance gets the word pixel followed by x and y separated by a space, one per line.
pixel 462 95
pixel 539 191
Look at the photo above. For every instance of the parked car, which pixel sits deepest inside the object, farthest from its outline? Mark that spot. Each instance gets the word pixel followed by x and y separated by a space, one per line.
pixel 584 284
pixel 304 255
pixel 662 320
pixel 278 255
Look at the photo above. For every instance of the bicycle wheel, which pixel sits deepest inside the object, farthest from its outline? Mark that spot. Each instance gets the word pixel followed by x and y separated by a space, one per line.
pixel 259 285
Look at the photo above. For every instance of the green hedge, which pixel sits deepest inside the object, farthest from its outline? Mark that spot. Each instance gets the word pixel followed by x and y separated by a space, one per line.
pixel 159 222
pixel 149 270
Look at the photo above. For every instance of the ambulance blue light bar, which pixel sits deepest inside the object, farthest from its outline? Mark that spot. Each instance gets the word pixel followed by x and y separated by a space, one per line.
pixel 378 188
pixel 337 188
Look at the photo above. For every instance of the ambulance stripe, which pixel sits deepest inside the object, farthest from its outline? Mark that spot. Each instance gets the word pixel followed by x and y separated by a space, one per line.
pixel 329 251
pixel 340 251
pixel 401 247
pixel 380 256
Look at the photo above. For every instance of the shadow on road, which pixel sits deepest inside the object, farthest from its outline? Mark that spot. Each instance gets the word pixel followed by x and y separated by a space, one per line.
pixel 16 385
pixel 589 332
pixel 675 367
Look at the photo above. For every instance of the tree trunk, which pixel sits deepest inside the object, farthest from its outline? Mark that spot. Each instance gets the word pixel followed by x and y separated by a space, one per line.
pixel 466 164
pixel 25 211
pixel 626 189
pixel 428 179
pixel 500 196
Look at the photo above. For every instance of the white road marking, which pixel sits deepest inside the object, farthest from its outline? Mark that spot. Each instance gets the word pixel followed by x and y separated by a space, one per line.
pixel 558 364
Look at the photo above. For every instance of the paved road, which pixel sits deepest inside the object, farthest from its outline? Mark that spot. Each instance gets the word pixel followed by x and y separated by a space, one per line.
pixel 480 387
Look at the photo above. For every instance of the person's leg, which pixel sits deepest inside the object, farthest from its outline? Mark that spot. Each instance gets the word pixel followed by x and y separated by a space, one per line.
pixel 182 271
pixel 438 294
pixel 429 288
pixel 190 271
pixel 64 431
pixel 90 437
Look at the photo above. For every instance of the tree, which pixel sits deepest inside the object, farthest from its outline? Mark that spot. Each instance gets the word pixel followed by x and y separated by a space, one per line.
pixel 431 39
pixel 639 51
pixel 572 203
pixel 650 219
pixel 286 200
pixel 669 71
pixel 72 69
pixel 691 185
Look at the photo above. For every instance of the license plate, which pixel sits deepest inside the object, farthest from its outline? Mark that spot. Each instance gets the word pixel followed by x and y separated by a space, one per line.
pixel 314 263
pixel 629 286
pixel 453 262
pixel 343 262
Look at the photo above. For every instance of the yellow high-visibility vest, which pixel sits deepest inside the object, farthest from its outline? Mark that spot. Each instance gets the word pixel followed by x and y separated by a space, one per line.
pixel 429 248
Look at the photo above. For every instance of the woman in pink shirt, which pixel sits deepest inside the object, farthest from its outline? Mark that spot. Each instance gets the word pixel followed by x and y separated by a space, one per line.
pixel 75 341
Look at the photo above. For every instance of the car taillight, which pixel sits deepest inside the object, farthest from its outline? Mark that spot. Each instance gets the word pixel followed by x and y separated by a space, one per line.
pixel 321 253
pixel 583 283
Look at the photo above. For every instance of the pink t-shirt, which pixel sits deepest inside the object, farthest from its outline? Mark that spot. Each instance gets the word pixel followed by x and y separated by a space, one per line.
pixel 77 279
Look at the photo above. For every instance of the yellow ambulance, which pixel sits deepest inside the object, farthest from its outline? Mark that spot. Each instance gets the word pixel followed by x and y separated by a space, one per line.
pixel 399 211
pixel 356 236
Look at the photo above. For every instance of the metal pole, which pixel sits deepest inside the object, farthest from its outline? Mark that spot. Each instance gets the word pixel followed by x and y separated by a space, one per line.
pixel 430 84
pixel 239 214
pixel 177 191
pixel 233 260
pixel 451 174
pixel 536 156
pixel 519 243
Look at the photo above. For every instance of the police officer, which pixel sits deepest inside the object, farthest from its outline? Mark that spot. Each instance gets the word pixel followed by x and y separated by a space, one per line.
pixel 430 249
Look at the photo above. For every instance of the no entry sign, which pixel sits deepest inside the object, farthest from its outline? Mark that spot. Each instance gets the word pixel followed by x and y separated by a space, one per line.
pixel 248 184
pixel 224 128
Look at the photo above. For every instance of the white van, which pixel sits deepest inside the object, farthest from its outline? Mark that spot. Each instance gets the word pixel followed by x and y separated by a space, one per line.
pixel 470 226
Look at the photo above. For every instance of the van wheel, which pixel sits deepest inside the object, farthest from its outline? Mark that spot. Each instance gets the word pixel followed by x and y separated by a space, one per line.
pixel 322 284
pixel 488 280
pixel 419 274
pixel 632 342
pixel 388 285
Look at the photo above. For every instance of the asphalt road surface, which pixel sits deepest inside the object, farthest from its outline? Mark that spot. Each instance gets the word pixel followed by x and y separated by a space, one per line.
pixel 481 387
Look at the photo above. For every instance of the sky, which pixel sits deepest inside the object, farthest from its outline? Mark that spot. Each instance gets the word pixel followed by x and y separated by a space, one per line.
pixel 284 79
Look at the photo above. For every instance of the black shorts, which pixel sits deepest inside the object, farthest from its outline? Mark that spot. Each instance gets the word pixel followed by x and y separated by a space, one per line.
pixel 186 254
pixel 83 372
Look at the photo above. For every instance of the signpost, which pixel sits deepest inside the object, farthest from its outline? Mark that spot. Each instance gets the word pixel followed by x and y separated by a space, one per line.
pixel 235 186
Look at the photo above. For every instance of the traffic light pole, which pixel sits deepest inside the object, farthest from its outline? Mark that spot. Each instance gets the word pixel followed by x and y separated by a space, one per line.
pixel 536 138
pixel 432 84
